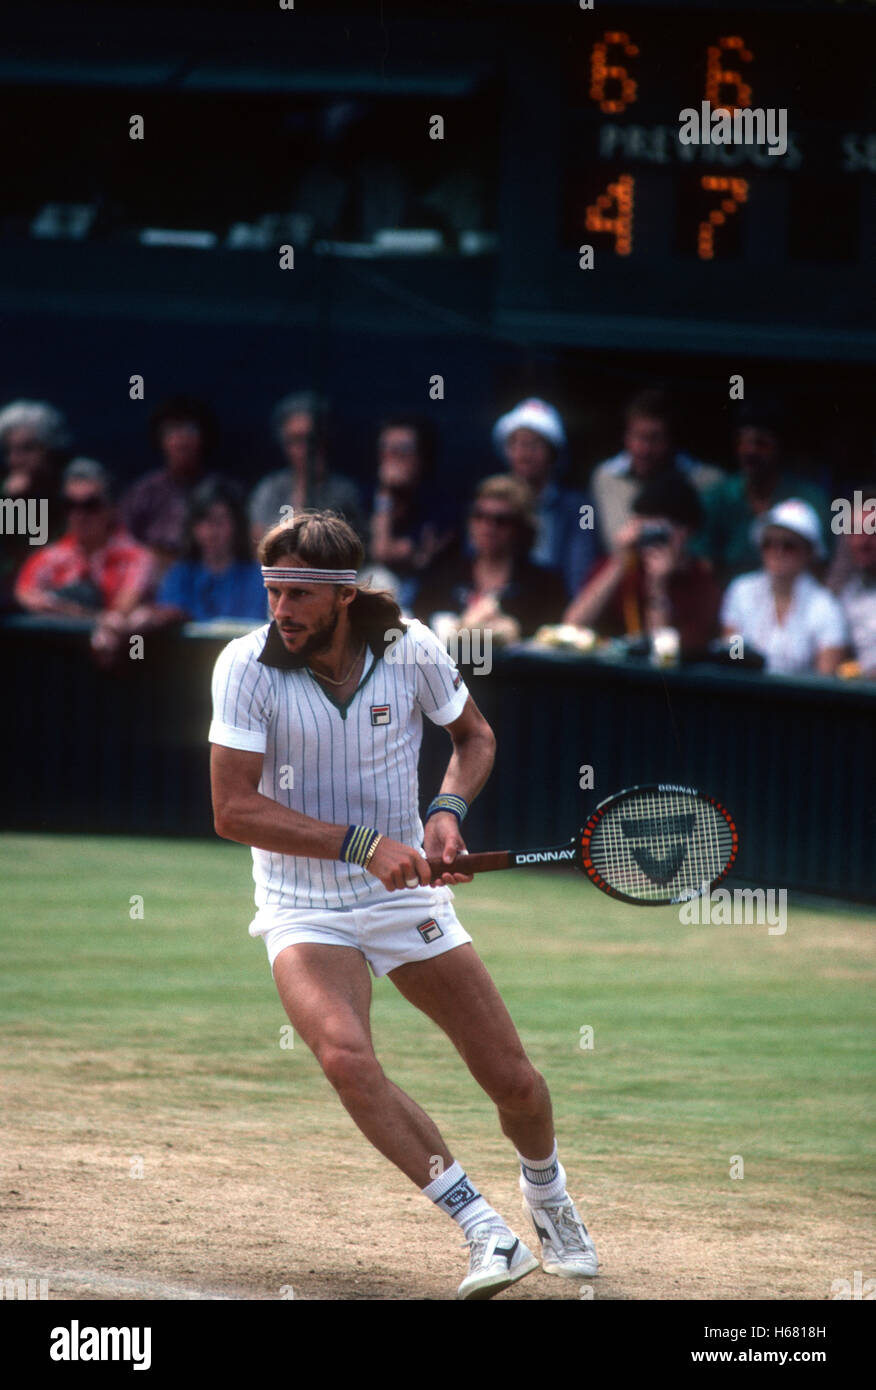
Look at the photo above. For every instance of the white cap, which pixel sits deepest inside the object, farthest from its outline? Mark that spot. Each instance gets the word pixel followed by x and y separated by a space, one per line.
pixel 793 515
pixel 531 414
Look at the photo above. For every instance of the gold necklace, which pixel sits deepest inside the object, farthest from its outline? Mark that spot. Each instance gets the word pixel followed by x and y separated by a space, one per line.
pixel 343 679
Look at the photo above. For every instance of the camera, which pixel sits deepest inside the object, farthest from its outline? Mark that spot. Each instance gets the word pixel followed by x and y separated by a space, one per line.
pixel 653 535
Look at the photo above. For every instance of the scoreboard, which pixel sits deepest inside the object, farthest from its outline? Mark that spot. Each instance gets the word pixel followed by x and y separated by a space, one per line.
pixel 760 228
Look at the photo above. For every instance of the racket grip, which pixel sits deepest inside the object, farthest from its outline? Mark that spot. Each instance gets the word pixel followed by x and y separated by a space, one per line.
pixel 472 863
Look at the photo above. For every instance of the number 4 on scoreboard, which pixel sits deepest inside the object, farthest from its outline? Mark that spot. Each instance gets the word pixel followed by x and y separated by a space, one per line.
pixel 613 212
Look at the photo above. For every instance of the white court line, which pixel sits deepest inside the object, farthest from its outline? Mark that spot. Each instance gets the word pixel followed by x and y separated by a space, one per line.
pixel 61 1281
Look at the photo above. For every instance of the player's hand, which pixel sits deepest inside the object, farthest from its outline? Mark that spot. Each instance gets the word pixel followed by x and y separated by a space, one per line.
pixel 399 866
pixel 442 840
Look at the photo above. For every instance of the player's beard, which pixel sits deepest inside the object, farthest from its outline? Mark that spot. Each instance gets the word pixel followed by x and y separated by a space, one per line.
pixel 322 636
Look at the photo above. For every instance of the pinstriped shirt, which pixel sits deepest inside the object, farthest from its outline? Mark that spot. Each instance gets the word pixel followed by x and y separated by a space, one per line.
pixel 350 765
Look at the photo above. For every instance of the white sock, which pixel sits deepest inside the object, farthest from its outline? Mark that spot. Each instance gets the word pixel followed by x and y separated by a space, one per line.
pixel 542 1180
pixel 453 1193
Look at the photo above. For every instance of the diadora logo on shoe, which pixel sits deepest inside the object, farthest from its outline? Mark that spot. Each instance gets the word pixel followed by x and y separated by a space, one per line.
pixel 430 931
pixel 507 1251
pixel 381 714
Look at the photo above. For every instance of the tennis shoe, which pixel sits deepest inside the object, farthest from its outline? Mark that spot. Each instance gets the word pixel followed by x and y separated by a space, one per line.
pixel 497 1260
pixel 566 1247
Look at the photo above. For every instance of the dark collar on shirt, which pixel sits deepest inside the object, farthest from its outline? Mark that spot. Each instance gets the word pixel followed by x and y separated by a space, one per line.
pixel 275 653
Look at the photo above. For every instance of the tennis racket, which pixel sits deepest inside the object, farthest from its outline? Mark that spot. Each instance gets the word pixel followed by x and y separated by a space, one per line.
pixel 647 845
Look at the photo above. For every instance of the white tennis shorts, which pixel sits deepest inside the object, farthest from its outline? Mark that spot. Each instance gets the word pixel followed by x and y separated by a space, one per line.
pixel 411 924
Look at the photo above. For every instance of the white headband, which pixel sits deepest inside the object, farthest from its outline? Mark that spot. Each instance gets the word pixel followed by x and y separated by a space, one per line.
pixel 279 574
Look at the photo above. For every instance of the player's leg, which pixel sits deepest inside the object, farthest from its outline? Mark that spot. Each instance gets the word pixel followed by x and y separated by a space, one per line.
pixel 326 992
pixel 456 991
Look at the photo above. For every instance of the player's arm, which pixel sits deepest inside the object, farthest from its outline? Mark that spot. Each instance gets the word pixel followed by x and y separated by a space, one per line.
pixel 474 751
pixel 242 813
pixel 471 762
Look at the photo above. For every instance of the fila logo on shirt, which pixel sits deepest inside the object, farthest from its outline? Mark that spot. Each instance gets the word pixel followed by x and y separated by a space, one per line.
pixel 430 931
pixel 381 714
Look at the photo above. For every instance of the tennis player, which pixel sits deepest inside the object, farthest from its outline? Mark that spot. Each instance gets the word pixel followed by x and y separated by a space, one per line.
pixel 317 724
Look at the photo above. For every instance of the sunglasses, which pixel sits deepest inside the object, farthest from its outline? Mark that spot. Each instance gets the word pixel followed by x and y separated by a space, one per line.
pixel 779 543
pixel 497 518
pixel 402 447
pixel 85 504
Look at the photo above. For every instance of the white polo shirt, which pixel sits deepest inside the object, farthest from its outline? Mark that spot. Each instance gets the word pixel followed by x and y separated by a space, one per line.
pixel 355 765
pixel 858 601
pixel 814 621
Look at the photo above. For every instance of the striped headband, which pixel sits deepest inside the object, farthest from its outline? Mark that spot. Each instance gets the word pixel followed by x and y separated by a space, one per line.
pixel 280 574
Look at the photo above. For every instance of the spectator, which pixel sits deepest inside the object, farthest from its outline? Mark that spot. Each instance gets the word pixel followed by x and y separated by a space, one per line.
pixel 300 425
pixel 762 481
pixel 531 440
pixel 96 568
pixel 217 578
pixel 782 611
pixel 651 580
pixel 649 451
pixel 856 588
pixel 183 429
pixel 495 585
pixel 34 438
pixel 410 524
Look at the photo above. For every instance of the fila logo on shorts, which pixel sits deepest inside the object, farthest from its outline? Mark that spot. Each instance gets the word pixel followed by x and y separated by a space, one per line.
pixel 380 714
pixel 430 931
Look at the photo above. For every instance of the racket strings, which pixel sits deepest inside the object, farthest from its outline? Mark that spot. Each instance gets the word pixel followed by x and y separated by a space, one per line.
pixel 661 846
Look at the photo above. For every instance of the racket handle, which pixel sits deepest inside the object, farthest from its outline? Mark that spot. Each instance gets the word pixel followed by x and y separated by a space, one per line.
pixel 473 863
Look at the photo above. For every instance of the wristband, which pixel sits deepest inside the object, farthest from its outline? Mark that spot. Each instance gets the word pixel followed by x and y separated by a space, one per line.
pixel 359 845
pixel 447 801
